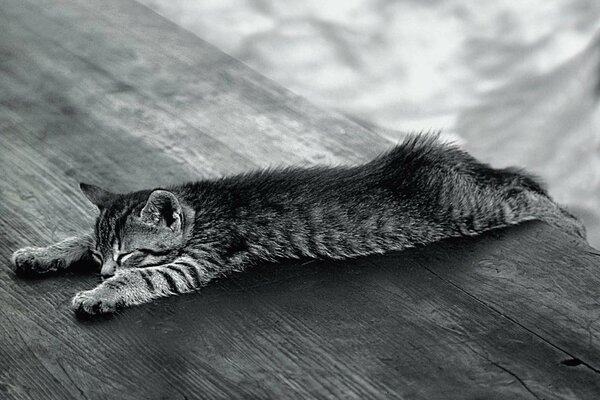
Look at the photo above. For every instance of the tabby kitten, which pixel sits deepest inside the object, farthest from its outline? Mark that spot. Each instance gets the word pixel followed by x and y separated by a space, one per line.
pixel 156 243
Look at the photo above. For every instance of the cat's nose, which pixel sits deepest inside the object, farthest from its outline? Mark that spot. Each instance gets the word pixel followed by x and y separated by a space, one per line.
pixel 107 271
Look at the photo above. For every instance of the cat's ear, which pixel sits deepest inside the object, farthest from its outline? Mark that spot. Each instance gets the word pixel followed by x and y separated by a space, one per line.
pixel 162 209
pixel 97 196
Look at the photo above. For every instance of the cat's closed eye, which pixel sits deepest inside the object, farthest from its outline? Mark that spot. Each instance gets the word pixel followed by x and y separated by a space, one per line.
pixel 155 252
pixel 124 257
pixel 97 257
pixel 139 258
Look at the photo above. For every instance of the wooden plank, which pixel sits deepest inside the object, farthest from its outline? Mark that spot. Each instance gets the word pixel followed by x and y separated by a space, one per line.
pixel 549 286
pixel 87 93
pixel 212 92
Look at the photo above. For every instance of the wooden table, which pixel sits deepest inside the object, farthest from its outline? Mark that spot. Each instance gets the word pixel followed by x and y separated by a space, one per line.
pixel 110 93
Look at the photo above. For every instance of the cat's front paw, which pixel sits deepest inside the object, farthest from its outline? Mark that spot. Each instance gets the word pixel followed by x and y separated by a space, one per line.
pixel 31 261
pixel 96 301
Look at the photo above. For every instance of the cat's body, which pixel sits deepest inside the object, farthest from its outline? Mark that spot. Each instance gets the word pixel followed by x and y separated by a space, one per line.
pixel 166 241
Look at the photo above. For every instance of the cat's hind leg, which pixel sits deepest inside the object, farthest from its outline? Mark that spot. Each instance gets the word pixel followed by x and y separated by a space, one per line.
pixel 487 198
pixel 545 209
pixel 30 261
pixel 530 200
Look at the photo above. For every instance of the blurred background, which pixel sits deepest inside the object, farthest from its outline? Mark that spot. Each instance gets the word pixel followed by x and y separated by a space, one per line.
pixel 514 83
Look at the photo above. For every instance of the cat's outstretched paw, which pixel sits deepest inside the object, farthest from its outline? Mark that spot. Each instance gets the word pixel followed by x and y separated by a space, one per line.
pixel 96 301
pixel 30 261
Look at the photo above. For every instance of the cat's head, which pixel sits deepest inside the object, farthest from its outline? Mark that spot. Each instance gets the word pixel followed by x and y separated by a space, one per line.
pixel 138 229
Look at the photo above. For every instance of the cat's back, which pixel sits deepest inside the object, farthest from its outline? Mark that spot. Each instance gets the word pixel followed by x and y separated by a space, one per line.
pixel 419 158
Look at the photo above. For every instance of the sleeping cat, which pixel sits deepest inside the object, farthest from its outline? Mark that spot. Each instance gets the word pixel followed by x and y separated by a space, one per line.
pixel 156 243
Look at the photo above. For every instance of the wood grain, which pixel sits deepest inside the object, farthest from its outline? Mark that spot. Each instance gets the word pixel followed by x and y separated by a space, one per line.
pixel 110 93
pixel 553 295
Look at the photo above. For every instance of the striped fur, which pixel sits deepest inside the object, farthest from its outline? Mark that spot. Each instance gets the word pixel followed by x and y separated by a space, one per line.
pixel 157 243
